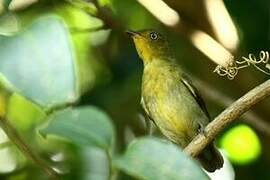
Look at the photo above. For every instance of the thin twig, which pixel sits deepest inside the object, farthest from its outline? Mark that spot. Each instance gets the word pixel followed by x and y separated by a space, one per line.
pixel 249 117
pixel 227 116
pixel 24 148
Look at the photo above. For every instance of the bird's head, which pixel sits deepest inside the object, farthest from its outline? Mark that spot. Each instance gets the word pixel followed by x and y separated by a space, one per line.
pixel 150 45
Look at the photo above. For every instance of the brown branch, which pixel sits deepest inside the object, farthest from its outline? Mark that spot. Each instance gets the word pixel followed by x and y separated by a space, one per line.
pixel 227 116
pixel 249 117
pixel 25 149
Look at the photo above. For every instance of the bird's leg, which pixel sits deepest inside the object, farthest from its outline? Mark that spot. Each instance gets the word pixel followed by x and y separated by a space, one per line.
pixel 149 122
pixel 149 126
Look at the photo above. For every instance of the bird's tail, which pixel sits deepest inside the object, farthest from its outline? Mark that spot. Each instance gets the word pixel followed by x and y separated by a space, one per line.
pixel 211 158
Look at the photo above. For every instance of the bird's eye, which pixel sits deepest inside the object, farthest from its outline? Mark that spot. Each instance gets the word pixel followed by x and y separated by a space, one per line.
pixel 153 35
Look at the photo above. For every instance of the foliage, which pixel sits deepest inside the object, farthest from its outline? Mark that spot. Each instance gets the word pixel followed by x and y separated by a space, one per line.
pixel 150 158
pixel 56 58
pixel 46 58
pixel 45 73
pixel 75 124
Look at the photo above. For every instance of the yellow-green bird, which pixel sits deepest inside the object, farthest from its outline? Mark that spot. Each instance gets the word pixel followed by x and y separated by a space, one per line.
pixel 169 98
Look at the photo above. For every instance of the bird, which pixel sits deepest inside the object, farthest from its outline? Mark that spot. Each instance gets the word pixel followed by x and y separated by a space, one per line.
pixel 169 98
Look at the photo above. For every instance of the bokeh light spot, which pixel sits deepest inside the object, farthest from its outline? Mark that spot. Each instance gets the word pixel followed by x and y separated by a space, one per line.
pixel 241 144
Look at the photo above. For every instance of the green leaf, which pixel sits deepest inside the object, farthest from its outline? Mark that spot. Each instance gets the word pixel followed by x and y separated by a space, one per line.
pixel 39 63
pixel 23 114
pixel 87 62
pixel 154 159
pixel 84 126
pixel 86 6
pixel 90 68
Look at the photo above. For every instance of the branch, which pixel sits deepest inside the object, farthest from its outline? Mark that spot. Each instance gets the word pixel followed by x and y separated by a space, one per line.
pixel 226 117
pixel 249 117
pixel 24 148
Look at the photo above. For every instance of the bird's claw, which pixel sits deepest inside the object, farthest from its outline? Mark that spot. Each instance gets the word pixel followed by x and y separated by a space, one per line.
pixel 202 130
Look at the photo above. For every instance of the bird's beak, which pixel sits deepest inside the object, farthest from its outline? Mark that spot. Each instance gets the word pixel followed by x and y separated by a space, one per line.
pixel 132 33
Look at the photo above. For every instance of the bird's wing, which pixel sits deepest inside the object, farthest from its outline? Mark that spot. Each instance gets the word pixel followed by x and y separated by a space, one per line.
pixel 195 93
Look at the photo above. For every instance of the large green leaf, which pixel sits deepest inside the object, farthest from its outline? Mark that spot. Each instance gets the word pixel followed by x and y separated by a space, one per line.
pixel 87 62
pixel 84 126
pixel 153 159
pixel 39 62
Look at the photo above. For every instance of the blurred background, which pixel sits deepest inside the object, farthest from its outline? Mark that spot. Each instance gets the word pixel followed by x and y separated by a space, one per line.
pixel 202 34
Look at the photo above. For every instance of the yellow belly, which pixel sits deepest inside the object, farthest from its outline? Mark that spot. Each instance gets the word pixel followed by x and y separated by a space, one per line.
pixel 172 107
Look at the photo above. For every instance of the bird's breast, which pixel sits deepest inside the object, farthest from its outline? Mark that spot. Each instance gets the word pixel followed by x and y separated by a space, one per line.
pixel 169 104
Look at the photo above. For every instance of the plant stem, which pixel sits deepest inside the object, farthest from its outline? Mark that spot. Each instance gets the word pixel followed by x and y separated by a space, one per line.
pixel 25 149
pixel 228 116
pixel 112 170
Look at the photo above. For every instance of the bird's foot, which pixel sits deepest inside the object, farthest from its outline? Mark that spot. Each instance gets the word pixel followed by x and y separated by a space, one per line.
pixel 202 130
